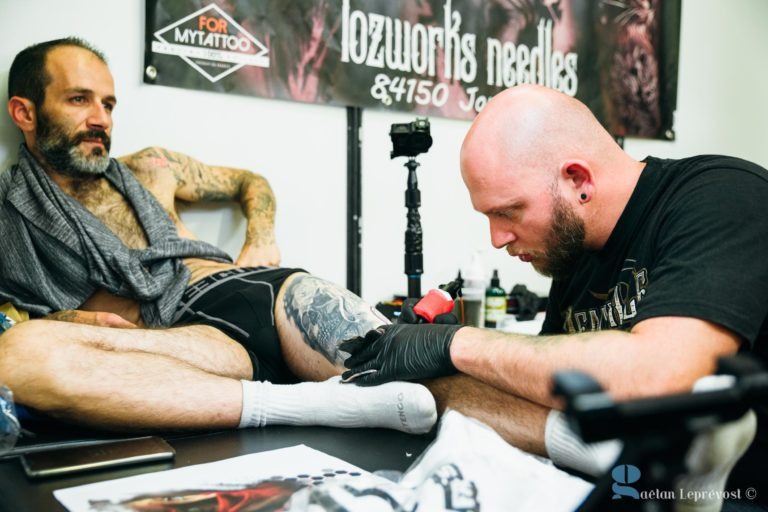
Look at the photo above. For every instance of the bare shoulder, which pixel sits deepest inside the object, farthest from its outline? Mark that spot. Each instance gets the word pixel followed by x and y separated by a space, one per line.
pixel 153 166
pixel 148 159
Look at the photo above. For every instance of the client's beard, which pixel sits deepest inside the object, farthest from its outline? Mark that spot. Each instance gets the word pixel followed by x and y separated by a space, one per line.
pixel 63 153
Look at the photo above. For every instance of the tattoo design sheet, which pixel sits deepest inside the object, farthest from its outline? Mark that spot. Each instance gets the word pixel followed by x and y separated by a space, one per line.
pixel 467 468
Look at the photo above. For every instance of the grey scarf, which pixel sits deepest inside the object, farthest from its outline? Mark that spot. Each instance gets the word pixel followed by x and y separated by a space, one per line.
pixel 54 253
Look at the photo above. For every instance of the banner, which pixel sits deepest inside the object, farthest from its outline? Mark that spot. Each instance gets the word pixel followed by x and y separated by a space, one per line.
pixel 431 57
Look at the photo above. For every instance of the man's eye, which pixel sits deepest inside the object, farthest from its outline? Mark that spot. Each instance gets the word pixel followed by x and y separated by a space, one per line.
pixel 109 107
pixel 77 99
pixel 514 215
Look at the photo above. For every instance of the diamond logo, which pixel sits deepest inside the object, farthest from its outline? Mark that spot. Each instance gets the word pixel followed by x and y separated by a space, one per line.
pixel 212 42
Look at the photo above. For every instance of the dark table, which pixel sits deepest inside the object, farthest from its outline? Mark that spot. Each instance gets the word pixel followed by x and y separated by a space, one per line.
pixel 369 449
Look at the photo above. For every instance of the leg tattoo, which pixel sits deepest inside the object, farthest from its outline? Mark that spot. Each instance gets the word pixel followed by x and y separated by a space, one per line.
pixel 327 314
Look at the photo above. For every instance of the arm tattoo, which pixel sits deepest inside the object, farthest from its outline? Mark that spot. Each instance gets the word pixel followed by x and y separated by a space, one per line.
pixel 196 181
pixel 200 182
pixel 326 315
pixel 258 205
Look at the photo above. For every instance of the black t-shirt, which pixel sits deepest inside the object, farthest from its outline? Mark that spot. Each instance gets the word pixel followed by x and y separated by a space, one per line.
pixel 692 241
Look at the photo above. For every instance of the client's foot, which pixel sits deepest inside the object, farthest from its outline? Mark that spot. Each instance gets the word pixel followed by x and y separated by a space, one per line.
pixel 402 406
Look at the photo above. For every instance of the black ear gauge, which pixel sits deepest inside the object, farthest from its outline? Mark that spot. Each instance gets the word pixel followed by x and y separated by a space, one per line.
pixel 583 196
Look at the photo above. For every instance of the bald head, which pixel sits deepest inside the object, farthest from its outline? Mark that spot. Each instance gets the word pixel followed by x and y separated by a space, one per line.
pixel 535 127
pixel 532 146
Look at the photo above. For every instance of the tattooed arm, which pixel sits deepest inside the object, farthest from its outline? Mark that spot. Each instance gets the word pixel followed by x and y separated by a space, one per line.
pixel 194 181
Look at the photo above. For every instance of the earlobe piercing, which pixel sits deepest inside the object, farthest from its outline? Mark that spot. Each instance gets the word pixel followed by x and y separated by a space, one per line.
pixel 583 196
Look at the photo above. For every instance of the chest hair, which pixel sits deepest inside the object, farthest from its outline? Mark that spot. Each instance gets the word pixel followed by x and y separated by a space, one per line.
pixel 104 201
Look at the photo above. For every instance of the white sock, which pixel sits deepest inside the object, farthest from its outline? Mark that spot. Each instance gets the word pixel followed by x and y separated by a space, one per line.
pixel 712 455
pixel 709 460
pixel 404 406
pixel 566 449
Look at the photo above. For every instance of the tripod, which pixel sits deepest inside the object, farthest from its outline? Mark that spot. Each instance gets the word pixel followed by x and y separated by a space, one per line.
pixel 411 139
pixel 657 432
pixel 414 259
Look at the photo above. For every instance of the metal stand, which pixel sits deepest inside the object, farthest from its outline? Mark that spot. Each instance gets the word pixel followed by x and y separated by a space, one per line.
pixel 354 201
pixel 414 259
pixel 657 432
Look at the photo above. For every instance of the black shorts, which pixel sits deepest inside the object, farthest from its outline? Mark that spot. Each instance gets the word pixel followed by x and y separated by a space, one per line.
pixel 241 303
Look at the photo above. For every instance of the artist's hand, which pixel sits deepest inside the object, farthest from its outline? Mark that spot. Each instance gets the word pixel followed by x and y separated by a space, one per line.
pixel 99 318
pixel 409 316
pixel 400 352
pixel 267 255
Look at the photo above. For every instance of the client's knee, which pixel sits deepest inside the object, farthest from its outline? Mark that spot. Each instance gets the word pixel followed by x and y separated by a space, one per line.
pixel 13 349
pixel 321 314
pixel 31 357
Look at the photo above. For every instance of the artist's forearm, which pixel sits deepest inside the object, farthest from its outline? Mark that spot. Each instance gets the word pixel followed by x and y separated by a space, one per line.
pixel 624 364
pixel 520 422
pixel 518 364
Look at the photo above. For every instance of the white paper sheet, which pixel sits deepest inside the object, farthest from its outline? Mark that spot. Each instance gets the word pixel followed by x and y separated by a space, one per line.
pixel 468 467
pixel 267 478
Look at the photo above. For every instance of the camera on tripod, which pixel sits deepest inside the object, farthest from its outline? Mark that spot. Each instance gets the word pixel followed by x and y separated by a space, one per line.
pixel 410 139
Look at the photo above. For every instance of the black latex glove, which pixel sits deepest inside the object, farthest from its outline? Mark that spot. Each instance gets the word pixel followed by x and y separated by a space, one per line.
pixel 408 316
pixel 400 352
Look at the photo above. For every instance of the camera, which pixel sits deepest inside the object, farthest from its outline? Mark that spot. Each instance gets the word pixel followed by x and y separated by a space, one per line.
pixel 410 139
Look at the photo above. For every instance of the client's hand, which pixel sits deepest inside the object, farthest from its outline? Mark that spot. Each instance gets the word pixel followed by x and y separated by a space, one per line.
pixel 99 318
pixel 400 352
pixel 267 255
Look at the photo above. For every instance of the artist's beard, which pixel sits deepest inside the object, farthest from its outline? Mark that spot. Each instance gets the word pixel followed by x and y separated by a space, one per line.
pixel 564 244
pixel 63 153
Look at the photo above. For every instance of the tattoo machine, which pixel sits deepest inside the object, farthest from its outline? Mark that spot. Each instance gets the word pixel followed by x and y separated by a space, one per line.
pixel 438 301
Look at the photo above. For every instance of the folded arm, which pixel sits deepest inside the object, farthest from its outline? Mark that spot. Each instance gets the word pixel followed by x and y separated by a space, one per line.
pixel 175 176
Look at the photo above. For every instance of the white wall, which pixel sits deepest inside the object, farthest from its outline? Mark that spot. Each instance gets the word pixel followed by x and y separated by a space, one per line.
pixel 722 108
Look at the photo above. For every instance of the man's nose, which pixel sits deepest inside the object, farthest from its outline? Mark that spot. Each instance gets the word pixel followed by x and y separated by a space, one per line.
pixel 501 235
pixel 99 117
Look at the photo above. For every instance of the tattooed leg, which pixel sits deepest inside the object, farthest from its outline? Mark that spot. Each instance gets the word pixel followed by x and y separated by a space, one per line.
pixel 313 316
